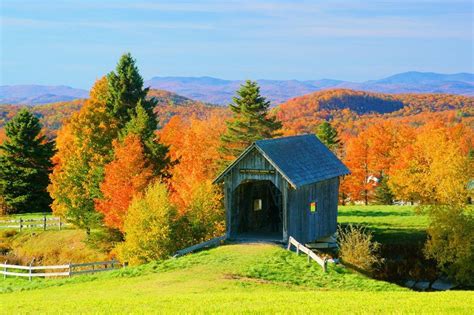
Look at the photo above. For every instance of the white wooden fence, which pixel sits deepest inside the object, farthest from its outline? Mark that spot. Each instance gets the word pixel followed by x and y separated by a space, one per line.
pixel 311 255
pixel 68 270
pixel 44 223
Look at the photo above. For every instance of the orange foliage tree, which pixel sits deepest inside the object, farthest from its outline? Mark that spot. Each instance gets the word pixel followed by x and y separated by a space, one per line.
pixel 83 148
pixel 372 154
pixel 125 176
pixel 193 145
pixel 194 148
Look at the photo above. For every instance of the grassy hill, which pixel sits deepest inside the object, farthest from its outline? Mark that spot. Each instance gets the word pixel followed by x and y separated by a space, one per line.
pixel 238 278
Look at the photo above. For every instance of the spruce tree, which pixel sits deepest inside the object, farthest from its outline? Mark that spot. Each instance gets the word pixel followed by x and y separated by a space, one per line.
pixel 383 193
pixel 133 111
pixel 250 121
pixel 25 163
pixel 329 136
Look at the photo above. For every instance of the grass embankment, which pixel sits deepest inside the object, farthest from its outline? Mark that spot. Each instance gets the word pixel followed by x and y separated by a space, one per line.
pixel 389 224
pixel 234 279
pixel 48 247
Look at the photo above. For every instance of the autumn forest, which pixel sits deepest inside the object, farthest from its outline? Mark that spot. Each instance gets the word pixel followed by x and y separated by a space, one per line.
pixel 101 163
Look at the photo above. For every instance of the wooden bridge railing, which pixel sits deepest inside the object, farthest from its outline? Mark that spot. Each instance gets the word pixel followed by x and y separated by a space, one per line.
pixel 214 242
pixel 64 270
pixel 311 255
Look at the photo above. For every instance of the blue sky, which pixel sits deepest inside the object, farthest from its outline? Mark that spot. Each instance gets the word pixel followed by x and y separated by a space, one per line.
pixel 75 42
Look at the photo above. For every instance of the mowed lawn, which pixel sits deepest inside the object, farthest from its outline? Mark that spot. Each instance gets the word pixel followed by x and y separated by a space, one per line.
pixel 389 224
pixel 239 278
pixel 243 278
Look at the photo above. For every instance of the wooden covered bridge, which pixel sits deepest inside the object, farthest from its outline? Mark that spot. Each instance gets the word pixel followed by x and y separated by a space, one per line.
pixel 282 187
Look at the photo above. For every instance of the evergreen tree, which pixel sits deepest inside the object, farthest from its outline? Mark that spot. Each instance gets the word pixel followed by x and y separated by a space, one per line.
pixel 25 162
pixel 144 126
pixel 329 136
pixel 250 121
pixel 383 193
pixel 134 112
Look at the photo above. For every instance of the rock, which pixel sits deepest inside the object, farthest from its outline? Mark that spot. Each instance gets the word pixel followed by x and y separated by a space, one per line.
pixel 410 283
pixel 442 285
pixel 422 285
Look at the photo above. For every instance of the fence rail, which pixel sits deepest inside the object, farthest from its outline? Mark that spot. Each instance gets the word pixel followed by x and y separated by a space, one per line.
pixel 43 222
pixel 213 242
pixel 67 270
pixel 311 255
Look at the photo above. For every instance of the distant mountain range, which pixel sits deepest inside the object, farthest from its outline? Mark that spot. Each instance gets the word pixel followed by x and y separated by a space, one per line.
pixel 39 94
pixel 218 91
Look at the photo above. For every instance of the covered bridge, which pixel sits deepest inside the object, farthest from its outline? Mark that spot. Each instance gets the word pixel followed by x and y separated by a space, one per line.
pixel 282 187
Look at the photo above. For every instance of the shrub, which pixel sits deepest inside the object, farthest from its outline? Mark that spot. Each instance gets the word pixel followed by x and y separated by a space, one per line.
pixel 148 227
pixel 357 248
pixel 451 241
pixel 203 219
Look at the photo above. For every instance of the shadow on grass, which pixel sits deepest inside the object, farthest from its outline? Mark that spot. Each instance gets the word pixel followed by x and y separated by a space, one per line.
pixel 385 233
pixel 372 213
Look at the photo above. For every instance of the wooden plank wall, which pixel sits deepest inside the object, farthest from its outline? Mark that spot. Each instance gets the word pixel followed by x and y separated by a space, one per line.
pixel 298 221
pixel 305 225
pixel 253 160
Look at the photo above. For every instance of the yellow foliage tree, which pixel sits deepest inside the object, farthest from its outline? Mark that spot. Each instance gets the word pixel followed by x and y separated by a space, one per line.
pixel 84 146
pixel 148 227
pixel 432 170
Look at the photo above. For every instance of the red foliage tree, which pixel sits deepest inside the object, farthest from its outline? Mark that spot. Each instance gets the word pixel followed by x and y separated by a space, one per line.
pixel 126 176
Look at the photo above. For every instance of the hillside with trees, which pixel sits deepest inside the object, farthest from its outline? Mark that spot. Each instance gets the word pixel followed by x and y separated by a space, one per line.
pixel 302 114
pixel 53 115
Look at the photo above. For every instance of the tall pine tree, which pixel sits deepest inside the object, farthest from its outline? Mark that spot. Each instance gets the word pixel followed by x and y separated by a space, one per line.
pixel 329 136
pixel 250 122
pixel 134 112
pixel 25 162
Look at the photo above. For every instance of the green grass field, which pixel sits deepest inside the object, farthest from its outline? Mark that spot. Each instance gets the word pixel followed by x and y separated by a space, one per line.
pixel 242 278
pixel 389 224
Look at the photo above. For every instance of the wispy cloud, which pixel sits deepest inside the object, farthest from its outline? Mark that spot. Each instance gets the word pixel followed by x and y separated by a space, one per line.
pixel 117 25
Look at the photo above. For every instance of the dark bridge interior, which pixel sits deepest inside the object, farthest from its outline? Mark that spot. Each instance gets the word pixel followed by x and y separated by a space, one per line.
pixel 258 210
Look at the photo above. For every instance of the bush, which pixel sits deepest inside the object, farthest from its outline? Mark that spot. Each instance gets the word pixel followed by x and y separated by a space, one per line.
pixel 357 248
pixel 451 241
pixel 148 227
pixel 203 219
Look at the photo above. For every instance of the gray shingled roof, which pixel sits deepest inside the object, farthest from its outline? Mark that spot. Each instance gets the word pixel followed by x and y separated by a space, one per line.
pixel 301 159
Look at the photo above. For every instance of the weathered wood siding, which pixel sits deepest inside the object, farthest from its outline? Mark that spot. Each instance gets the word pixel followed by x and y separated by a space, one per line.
pixel 307 226
pixel 253 160
pixel 298 221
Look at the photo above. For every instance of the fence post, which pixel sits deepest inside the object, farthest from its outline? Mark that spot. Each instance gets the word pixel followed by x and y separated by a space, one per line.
pixel 70 269
pixel 5 270
pixel 44 222
pixel 298 249
pixel 325 264
pixel 60 223
pixel 21 223
pixel 30 271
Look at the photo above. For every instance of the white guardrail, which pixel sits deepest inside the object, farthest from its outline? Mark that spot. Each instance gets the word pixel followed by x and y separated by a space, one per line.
pixel 311 255
pixel 68 270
